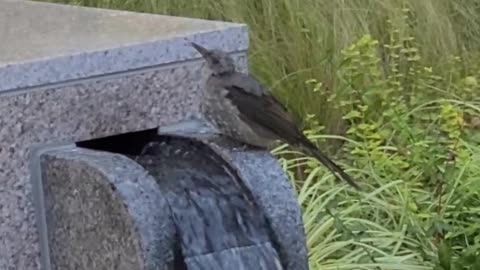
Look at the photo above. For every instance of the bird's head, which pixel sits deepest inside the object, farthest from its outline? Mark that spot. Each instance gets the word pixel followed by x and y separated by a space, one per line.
pixel 218 61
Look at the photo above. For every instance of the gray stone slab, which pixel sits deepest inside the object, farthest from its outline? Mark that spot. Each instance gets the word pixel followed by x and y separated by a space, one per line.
pixel 78 111
pixel 103 211
pixel 48 43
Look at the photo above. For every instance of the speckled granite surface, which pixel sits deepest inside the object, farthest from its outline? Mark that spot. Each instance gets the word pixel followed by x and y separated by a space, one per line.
pixel 104 211
pixel 48 43
pixel 161 88
pixel 80 111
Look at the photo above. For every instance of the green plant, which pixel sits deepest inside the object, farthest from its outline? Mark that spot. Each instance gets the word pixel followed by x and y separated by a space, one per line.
pixel 410 141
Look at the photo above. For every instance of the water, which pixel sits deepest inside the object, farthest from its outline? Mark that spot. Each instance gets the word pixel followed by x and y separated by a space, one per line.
pixel 218 223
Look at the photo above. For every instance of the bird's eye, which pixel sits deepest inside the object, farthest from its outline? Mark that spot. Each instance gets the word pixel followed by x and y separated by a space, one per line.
pixel 215 61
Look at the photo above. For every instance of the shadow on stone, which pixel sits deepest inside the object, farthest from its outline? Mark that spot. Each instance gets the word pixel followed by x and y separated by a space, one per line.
pixel 130 143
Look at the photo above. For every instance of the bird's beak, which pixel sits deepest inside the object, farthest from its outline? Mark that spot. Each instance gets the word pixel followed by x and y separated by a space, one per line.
pixel 204 52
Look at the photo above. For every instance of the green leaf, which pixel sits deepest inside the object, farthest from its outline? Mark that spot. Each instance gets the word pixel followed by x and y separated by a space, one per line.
pixel 445 256
pixel 352 114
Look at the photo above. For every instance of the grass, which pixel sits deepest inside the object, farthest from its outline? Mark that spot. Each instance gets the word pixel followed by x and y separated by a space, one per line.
pixel 396 83
pixel 413 141
pixel 342 234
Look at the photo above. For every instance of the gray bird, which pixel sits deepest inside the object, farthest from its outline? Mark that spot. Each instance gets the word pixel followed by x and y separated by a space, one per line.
pixel 241 108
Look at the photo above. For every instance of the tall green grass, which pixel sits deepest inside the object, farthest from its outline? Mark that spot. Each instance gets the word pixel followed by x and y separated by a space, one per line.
pixel 296 40
pixel 413 138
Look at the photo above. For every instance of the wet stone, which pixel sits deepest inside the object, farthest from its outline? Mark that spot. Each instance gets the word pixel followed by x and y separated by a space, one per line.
pixel 219 224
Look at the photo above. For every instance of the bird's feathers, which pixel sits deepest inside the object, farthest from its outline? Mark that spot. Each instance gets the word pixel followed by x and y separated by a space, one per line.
pixel 246 82
pixel 260 115
pixel 334 168
pixel 265 114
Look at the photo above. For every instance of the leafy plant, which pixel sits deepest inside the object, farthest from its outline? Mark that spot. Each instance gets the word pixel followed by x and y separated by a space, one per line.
pixel 411 143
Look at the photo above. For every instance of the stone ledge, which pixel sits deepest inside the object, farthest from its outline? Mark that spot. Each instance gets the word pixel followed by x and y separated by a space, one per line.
pixel 68 42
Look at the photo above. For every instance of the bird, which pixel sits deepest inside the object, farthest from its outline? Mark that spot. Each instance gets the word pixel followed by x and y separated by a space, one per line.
pixel 243 109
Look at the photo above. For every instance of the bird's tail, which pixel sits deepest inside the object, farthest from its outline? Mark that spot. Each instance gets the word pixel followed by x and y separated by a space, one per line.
pixel 328 163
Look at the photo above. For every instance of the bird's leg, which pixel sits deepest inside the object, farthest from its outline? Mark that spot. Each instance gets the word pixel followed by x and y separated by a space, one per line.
pixel 229 143
pixel 241 148
pixel 246 146
pixel 146 148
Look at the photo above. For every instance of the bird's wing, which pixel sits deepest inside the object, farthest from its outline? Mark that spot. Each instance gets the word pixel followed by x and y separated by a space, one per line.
pixel 260 109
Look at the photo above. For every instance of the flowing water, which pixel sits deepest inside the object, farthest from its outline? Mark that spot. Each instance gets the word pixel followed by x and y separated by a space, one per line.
pixel 219 225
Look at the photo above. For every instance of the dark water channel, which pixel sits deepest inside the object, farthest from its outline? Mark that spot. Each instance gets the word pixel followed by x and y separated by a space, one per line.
pixel 218 223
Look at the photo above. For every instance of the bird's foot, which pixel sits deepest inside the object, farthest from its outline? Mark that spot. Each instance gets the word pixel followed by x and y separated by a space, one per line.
pixel 240 148
pixel 149 148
